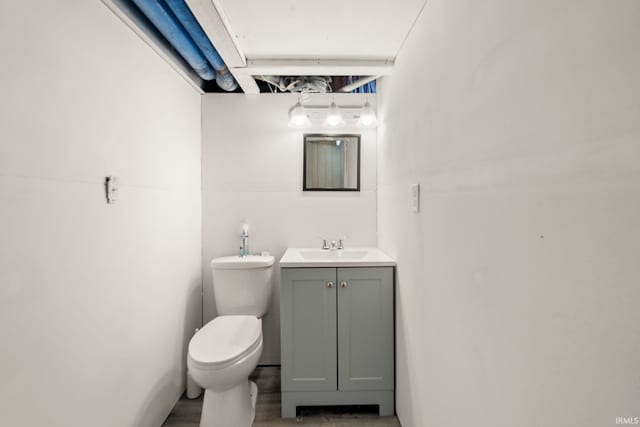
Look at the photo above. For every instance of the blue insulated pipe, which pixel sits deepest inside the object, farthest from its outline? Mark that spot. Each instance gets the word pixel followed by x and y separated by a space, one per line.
pixel 223 77
pixel 160 16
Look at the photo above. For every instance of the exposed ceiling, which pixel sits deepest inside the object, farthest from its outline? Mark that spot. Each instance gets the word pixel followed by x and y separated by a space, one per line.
pixel 353 41
pixel 338 29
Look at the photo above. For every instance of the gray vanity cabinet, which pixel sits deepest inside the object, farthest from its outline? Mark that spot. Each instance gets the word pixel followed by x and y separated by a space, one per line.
pixel 365 329
pixel 308 327
pixel 337 337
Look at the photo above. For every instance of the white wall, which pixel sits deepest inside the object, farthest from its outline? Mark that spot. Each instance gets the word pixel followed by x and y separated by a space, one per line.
pixel 97 301
pixel 252 169
pixel 518 281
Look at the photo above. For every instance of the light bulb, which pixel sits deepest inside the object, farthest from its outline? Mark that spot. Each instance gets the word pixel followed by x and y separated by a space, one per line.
pixel 298 116
pixel 367 115
pixel 334 116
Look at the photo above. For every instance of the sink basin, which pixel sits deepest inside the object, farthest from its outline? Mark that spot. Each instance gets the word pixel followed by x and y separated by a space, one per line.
pixel 352 257
pixel 319 254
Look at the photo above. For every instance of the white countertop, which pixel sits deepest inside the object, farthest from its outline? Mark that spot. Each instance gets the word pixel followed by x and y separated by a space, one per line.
pixel 351 257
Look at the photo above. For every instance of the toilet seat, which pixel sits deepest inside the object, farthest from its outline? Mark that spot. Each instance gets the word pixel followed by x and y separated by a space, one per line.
pixel 225 340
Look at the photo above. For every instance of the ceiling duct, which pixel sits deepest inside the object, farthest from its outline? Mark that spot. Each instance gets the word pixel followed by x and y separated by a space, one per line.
pixel 224 79
pixel 176 23
pixel 160 15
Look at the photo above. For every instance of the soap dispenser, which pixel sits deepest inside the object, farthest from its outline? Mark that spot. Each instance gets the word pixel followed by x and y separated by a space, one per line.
pixel 244 240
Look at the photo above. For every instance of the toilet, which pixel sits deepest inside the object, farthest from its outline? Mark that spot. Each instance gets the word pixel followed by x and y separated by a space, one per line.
pixel 226 350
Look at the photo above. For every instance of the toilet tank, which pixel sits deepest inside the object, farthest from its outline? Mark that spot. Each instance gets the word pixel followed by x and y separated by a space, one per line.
pixel 242 285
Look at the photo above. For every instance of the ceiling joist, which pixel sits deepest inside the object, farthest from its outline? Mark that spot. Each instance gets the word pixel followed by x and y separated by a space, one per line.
pixel 317 67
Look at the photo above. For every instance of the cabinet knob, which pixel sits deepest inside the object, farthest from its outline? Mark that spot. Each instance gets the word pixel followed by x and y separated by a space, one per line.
pixel 343 284
pixel 329 284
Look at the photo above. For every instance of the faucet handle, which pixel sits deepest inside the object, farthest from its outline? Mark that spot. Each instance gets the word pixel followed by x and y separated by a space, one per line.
pixel 324 244
pixel 340 245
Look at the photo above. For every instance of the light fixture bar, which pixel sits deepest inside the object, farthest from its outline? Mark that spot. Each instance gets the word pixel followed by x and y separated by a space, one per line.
pixel 316 114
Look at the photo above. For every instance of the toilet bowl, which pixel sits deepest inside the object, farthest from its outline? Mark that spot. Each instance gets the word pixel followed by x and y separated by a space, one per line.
pixel 221 357
pixel 226 350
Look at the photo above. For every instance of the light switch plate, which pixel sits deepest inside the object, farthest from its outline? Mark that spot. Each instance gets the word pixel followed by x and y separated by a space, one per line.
pixel 415 198
pixel 111 187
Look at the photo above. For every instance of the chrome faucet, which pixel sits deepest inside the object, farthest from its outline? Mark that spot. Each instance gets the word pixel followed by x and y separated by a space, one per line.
pixel 334 245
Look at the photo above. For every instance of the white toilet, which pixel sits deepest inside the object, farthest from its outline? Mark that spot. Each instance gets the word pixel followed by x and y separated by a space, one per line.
pixel 226 350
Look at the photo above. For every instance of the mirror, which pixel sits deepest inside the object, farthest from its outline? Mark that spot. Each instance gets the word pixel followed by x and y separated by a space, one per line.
pixel 331 163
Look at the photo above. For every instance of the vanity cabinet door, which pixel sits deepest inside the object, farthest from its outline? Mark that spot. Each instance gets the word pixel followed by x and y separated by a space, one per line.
pixel 365 329
pixel 308 328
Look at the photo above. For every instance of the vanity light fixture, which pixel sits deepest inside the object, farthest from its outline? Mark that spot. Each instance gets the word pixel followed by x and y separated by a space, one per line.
pixel 334 116
pixel 298 117
pixel 331 116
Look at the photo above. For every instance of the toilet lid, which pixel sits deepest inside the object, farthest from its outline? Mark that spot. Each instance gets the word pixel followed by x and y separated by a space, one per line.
pixel 225 338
